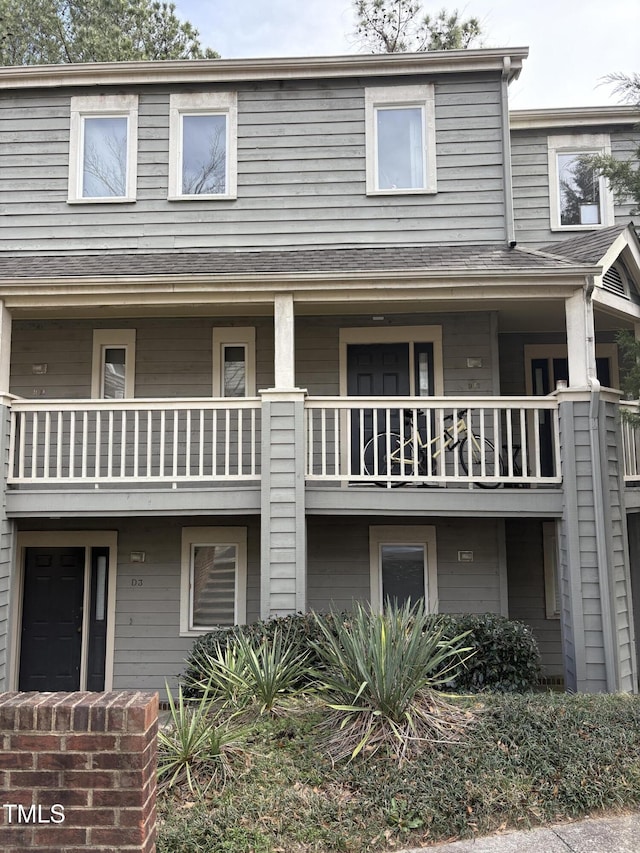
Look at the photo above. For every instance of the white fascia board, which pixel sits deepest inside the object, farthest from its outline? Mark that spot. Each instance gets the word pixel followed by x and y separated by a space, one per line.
pixel 381 287
pixel 616 305
pixel 572 117
pixel 231 70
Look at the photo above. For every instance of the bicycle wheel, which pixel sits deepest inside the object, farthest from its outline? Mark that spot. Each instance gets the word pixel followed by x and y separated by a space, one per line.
pixel 377 462
pixel 480 449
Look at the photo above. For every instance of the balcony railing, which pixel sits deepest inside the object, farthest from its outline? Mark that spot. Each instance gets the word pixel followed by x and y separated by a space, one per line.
pixel 489 441
pixel 141 441
pixel 630 443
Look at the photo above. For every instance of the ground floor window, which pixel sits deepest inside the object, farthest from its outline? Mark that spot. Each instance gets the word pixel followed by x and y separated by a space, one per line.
pixel 403 565
pixel 213 578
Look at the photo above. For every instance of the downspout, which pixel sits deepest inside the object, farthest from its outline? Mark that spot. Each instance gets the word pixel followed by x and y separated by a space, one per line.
pixel 598 495
pixel 510 229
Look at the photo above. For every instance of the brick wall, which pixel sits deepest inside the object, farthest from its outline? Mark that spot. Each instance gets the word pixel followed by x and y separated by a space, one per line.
pixel 78 772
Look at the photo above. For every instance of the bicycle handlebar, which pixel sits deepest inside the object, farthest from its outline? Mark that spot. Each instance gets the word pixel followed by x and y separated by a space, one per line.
pixel 408 415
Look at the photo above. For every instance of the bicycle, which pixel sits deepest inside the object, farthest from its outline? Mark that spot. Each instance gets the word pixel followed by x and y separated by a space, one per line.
pixel 390 454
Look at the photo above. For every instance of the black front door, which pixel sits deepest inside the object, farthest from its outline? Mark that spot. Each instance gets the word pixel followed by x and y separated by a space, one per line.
pixel 51 643
pixel 374 370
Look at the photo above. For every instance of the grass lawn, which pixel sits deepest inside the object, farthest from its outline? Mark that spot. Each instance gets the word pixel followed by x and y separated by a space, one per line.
pixel 524 760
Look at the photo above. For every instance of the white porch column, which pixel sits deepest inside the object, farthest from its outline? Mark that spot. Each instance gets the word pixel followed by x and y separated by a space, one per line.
pixel 581 340
pixel 284 341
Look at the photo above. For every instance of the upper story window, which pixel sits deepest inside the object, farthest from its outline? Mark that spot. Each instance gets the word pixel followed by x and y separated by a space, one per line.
pixel 400 139
pixel 579 198
pixel 203 146
pixel 103 145
pixel 114 356
pixel 234 362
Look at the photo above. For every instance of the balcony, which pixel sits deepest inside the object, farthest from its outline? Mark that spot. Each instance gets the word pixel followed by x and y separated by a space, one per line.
pixel 205 456
pixel 135 442
pixel 488 442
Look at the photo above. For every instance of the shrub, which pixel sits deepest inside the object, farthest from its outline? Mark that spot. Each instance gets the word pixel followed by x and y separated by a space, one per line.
pixel 266 671
pixel 505 655
pixel 379 677
pixel 195 747
pixel 301 629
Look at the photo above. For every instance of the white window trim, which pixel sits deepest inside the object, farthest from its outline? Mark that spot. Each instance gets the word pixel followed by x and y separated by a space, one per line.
pixel 211 536
pixel 578 143
pixel 240 336
pixel 116 338
pixel 125 106
pixel 401 96
pixel 392 534
pixel 550 563
pixel 86 539
pixel 215 103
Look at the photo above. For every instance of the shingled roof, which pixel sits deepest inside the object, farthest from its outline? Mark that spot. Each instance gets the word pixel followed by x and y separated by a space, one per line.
pixel 586 248
pixel 472 258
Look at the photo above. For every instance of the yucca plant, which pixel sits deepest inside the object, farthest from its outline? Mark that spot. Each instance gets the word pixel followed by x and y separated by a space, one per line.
pixel 265 672
pixel 196 746
pixel 381 669
pixel 223 675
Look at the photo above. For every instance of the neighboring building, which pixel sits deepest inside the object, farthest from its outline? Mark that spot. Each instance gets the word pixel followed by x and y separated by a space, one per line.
pixel 239 296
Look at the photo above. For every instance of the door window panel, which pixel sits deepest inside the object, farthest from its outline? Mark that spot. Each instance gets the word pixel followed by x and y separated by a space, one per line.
pixel 114 373
pixel 234 366
pixel 402 569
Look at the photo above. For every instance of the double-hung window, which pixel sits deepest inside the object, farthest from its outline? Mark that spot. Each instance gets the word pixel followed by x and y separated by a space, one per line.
pixel 203 146
pixel 400 139
pixel 103 144
pixel 579 197
pixel 214 578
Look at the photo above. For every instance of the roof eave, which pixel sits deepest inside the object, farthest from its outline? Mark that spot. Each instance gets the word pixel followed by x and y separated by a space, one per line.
pixel 572 117
pixel 238 70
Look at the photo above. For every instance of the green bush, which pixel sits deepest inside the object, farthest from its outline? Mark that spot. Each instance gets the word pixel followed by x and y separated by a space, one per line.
pixel 504 654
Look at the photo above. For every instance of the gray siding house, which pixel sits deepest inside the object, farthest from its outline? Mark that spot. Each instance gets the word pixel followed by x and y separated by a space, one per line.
pixel 290 333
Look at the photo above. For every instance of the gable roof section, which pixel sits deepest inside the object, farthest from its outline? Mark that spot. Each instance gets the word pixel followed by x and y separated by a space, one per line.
pixel 587 248
pixel 604 248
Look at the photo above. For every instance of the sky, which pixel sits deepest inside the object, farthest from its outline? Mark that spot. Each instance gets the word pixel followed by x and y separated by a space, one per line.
pixel 572 44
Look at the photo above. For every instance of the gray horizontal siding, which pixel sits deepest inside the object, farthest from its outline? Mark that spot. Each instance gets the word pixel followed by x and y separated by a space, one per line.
pixel 301 175
pixel 527 591
pixel 339 573
pixel 463 336
pixel 148 645
pixel 174 358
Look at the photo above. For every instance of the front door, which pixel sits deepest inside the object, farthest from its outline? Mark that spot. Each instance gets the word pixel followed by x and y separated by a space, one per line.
pixel 545 375
pixel 51 642
pixel 384 370
pixel 62 648
pixel 374 370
